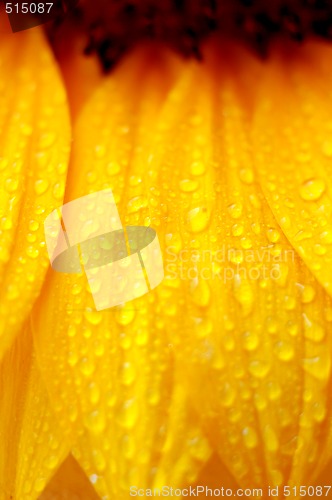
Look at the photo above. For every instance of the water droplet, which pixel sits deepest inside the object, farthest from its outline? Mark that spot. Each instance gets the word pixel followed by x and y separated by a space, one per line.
pixel 32 252
pixel 319 366
pixel 41 186
pixel 200 293
pixel 174 244
pixel 52 461
pixel 203 327
pixel 273 235
pixel 113 168
pixel 312 189
pixel 285 222
pixel 250 341
pixel 276 477
pixel 308 294
pixel 40 484
pixel 270 439
pixel 235 210
pixel 128 414
pixel 259 368
pixel 292 328
pixel 76 289
pixel 87 366
pixel 246 175
pixel 326 236
pixel 6 223
pixel 136 204
pixel 237 229
pixel 255 201
pixel 93 317
pixel 313 331
pixel 3 163
pixel 59 190
pixel 135 180
pixel 128 373
pixel 125 315
pixel 327 149
pixel 250 437
pixel 290 303
pixel 303 235
pixel 100 151
pixel 47 140
pixel 235 255
pixel 285 351
pixel 197 168
pixel 95 421
pixel 11 185
pixel 243 294
pixel 71 331
pixel 72 358
pixel 188 185
pixel 33 225
pixel 198 219
pixel 320 249
pixel 319 411
pixel 256 228
pixel 273 391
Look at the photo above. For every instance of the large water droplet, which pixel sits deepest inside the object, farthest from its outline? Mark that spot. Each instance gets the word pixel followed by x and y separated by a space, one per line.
pixel 312 189
pixel 198 219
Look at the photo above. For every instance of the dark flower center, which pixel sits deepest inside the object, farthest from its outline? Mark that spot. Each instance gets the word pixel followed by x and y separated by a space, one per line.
pixel 114 26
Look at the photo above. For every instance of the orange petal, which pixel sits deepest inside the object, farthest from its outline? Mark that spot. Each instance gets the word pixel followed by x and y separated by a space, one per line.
pixel 293 150
pixel 34 146
pixel 111 373
pixel 81 74
pixel 69 483
pixel 248 318
pixel 240 323
pixel 32 446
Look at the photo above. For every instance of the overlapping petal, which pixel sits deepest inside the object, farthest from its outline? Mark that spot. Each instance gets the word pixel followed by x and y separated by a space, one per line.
pixel 112 374
pixel 237 339
pixel 254 323
pixel 293 152
pixel 69 483
pixel 32 444
pixel 34 149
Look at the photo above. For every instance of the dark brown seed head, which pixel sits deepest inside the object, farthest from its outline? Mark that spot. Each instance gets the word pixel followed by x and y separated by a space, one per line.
pixel 114 26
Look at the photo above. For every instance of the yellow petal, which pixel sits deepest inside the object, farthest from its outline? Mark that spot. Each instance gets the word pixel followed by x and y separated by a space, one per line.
pixel 252 323
pixel 253 329
pixel 69 483
pixel 293 151
pixel 112 373
pixel 31 445
pixel 81 74
pixel 34 145
pixel 240 329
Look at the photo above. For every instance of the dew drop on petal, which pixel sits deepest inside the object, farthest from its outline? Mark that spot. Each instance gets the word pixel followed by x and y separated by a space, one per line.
pixel 197 168
pixel 250 437
pixel 198 219
pixel 113 168
pixel 235 210
pixel 93 317
pixel 125 315
pixel 201 293
pixel 319 366
pixel 188 185
pixel 312 189
pixel 313 331
pixel 246 175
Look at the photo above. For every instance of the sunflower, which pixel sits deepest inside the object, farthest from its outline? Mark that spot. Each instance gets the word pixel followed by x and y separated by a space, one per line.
pixel 211 123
